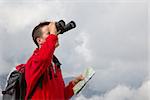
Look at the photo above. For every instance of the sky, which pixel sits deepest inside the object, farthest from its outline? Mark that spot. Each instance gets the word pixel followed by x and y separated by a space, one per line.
pixel 111 36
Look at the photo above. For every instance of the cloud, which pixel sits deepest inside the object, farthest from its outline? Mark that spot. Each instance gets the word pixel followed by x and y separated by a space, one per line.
pixel 22 16
pixel 122 92
pixel 18 24
pixel 82 46
pixel 111 36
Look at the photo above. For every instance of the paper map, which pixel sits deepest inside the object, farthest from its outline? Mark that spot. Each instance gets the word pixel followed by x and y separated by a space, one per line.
pixel 88 73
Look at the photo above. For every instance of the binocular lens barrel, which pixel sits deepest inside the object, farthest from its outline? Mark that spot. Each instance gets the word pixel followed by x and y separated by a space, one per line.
pixel 61 26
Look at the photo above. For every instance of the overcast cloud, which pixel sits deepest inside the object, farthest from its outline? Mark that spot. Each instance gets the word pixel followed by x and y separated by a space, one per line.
pixel 111 36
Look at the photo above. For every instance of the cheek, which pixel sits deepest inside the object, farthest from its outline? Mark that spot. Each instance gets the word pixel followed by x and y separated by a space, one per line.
pixel 45 36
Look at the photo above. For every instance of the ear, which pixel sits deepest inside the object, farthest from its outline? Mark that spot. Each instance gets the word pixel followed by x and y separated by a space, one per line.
pixel 39 41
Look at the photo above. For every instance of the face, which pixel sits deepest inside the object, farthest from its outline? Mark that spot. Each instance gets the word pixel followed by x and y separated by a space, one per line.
pixel 45 34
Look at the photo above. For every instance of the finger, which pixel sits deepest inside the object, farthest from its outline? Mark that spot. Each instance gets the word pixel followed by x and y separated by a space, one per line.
pixel 81 77
pixel 52 22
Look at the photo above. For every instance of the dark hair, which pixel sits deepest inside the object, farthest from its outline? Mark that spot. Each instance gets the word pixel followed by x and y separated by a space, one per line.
pixel 37 31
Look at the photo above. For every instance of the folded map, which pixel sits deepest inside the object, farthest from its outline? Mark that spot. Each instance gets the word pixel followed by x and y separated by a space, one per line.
pixel 88 74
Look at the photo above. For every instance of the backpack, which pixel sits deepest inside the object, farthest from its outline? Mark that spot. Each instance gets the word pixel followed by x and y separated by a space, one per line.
pixel 15 88
pixel 16 85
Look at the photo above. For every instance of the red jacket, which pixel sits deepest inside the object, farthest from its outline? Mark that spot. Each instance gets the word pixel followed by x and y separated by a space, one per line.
pixel 40 64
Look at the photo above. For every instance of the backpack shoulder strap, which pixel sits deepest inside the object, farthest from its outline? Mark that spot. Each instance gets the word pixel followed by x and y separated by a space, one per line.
pixel 56 61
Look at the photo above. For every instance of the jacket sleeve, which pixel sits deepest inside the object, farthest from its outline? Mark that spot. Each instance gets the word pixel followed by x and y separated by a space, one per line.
pixel 39 62
pixel 69 90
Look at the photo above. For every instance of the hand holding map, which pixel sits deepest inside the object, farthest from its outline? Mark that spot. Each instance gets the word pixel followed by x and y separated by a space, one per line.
pixel 88 74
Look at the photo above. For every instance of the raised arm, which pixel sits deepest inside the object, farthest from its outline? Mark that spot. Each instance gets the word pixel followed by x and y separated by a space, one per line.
pixel 40 61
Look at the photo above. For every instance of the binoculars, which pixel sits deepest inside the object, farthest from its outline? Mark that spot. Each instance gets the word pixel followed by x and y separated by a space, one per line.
pixel 62 27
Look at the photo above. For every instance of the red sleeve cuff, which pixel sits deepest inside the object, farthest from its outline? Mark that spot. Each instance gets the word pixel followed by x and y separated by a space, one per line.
pixel 71 84
pixel 69 90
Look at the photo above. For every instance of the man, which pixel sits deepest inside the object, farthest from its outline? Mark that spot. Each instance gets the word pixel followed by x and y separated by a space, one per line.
pixel 42 72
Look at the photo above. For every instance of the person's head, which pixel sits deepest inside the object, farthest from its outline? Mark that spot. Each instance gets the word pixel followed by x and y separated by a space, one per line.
pixel 40 33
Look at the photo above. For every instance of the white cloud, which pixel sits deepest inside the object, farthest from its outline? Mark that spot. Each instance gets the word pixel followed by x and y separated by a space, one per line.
pixel 4 66
pixel 1 94
pixel 17 21
pixel 122 92
pixel 22 15
pixel 82 48
pixel 109 36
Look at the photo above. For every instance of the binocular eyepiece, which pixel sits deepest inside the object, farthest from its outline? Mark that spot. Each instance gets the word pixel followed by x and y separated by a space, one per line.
pixel 62 27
